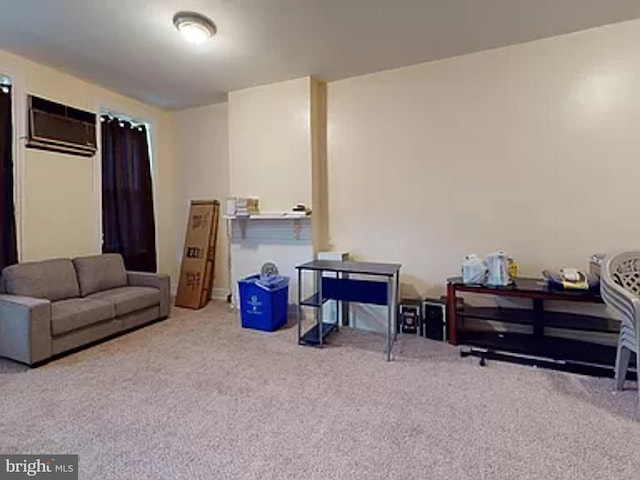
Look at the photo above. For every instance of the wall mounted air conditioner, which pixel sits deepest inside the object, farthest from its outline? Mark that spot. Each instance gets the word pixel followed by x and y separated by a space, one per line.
pixel 59 128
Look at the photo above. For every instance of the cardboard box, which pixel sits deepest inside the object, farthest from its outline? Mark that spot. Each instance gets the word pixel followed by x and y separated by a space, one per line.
pixel 198 259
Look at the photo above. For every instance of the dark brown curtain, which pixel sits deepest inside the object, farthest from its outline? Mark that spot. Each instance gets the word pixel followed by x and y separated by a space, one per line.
pixel 8 247
pixel 128 223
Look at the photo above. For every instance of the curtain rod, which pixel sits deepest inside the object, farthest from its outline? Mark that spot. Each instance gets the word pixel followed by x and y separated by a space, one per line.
pixel 123 118
pixel 5 84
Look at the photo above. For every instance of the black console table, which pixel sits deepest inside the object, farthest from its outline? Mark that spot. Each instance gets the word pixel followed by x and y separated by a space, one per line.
pixel 536 347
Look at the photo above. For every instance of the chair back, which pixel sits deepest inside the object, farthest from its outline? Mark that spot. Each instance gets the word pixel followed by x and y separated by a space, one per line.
pixel 624 269
pixel 620 287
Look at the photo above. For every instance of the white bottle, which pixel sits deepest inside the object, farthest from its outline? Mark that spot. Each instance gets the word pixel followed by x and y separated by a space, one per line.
pixel 498 264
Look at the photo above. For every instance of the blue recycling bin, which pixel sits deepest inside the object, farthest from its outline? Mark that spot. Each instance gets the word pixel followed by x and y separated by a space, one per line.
pixel 264 302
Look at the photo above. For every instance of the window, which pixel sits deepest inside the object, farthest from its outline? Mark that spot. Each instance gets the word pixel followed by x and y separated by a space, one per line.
pixel 128 223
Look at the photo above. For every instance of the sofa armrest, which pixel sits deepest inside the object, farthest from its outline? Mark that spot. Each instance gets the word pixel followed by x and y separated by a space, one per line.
pixel 156 280
pixel 25 328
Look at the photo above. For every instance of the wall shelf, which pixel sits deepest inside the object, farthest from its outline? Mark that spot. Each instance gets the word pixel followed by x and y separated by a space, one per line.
pixel 270 216
pixel 289 220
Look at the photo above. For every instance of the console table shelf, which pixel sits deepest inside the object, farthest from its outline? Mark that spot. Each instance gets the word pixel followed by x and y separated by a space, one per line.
pixel 520 316
pixel 552 352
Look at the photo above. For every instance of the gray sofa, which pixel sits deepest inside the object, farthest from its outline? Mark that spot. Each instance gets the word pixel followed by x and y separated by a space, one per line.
pixel 53 306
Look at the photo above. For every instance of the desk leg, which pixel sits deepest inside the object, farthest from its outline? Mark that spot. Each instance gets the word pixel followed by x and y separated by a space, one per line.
pixel 299 307
pixel 395 307
pixel 337 305
pixel 319 311
pixel 390 314
pixel 345 309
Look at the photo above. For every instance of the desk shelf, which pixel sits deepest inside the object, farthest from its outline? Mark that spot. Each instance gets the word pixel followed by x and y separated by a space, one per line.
pixel 313 301
pixel 311 338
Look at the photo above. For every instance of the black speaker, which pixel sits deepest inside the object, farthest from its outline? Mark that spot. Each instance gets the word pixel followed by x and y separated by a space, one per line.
pixel 409 316
pixel 434 319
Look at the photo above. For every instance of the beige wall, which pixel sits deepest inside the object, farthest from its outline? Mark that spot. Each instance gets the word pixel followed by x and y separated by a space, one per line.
pixel 270 144
pixel 202 158
pixel 58 200
pixel 272 151
pixel 534 149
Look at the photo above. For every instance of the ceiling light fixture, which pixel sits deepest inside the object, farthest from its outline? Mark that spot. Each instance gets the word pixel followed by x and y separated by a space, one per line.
pixel 194 27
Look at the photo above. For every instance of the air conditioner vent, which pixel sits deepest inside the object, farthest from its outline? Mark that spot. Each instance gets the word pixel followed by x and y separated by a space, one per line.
pixel 60 128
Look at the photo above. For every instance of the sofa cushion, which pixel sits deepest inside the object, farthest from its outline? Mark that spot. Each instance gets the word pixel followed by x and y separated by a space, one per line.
pixel 75 313
pixel 129 299
pixel 100 272
pixel 51 279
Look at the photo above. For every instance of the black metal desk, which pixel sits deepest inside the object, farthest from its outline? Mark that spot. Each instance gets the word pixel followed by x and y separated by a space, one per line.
pixel 343 287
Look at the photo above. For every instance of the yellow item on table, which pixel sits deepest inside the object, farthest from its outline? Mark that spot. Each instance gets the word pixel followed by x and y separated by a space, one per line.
pixel 513 268
pixel 580 284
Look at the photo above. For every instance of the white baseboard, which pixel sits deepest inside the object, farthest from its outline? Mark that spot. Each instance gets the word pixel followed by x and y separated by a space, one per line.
pixel 216 293
pixel 219 293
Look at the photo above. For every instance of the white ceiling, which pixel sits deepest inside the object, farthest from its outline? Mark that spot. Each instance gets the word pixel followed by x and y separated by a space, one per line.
pixel 132 47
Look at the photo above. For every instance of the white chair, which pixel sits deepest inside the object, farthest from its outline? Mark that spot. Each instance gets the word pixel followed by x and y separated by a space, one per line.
pixel 620 289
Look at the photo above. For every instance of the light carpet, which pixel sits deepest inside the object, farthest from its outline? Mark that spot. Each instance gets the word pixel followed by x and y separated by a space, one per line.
pixel 197 397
